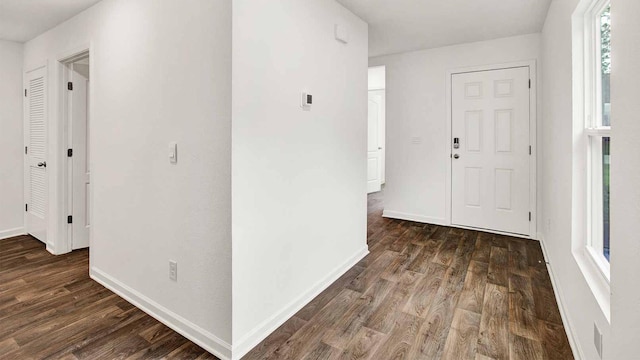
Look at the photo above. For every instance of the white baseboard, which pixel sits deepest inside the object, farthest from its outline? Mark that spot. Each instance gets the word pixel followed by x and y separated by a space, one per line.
pixel 443 222
pixel 5 234
pixel 191 331
pixel 575 347
pixel 260 332
pixel 414 217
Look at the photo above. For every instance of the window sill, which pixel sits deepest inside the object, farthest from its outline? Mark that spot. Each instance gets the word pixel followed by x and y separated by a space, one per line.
pixel 596 277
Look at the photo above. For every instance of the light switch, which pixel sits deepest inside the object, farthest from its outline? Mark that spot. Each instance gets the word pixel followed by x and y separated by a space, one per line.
pixel 173 152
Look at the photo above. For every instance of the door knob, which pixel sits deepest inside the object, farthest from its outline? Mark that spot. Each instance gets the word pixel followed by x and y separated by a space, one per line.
pixel 379 148
pixel 42 164
pixel 456 156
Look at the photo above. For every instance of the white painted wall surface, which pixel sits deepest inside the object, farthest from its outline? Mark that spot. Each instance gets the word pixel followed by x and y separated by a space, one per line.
pixel 161 72
pixel 416 173
pixel 299 177
pixel 625 170
pixel 562 180
pixel 11 140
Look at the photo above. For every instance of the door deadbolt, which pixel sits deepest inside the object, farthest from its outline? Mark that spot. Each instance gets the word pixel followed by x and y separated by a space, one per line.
pixel 456 143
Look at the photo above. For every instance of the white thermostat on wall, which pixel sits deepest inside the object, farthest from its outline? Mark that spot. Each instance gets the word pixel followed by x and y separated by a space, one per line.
pixel 306 100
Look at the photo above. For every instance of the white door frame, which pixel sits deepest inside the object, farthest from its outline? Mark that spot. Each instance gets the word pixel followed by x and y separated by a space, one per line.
pixel 65 101
pixel 58 231
pixel 533 121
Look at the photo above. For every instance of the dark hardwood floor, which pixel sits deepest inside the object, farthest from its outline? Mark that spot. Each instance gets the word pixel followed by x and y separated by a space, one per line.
pixel 51 309
pixel 423 292
pixel 429 292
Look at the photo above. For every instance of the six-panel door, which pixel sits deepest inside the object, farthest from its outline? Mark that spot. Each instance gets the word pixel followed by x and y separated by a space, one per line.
pixel 490 167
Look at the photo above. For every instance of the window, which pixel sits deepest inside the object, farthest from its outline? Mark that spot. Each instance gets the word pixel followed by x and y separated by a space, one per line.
pixel 598 129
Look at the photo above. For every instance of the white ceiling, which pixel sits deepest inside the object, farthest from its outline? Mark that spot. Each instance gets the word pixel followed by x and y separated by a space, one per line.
pixel 404 25
pixel 22 20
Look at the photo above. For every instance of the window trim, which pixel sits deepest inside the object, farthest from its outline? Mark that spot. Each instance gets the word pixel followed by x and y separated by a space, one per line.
pixel 594 132
pixel 582 77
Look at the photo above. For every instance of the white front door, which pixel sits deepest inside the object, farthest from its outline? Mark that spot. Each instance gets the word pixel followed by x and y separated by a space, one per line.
pixel 374 146
pixel 36 180
pixel 490 166
pixel 80 160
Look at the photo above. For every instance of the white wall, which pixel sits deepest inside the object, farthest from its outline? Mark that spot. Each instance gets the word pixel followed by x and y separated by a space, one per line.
pixel 563 181
pixel 11 140
pixel 416 108
pixel 625 170
pixel 161 72
pixel 299 177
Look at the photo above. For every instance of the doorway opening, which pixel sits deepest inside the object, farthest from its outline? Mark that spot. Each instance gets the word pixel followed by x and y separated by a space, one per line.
pixel 376 129
pixel 76 109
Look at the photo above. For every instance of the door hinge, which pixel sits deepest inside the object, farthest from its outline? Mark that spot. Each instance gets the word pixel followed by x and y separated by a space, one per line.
pixel 25 92
pixel 529 83
pixel 69 152
pixel 69 219
pixel 529 215
pixel 26 149
pixel 529 149
pixel 26 207
pixel 69 85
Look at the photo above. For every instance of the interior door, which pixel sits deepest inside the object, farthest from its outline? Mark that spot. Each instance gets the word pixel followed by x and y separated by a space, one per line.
pixel 490 150
pixel 374 147
pixel 80 160
pixel 36 183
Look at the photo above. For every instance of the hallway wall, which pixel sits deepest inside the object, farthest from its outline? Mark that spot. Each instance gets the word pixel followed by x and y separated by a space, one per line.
pixel 299 176
pixel 161 72
pixel 564 187
pixel 11 140
pixel 625 170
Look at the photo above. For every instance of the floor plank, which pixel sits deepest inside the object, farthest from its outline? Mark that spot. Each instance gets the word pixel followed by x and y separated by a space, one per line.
pixel 50 308
pixel 430 292
pixel 423 292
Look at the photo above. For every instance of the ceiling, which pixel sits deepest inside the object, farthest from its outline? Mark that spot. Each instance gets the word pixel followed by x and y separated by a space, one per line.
pixel 404 25
pixel 22 20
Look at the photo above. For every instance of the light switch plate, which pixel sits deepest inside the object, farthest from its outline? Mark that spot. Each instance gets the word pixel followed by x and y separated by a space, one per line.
pixel 173 270
pixel 173 152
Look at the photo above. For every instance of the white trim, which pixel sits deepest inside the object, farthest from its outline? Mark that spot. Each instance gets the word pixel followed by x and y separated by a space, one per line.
pixel 443 222
pixel 9 233
pixel 598 132
pixel 260 332
pixel 564 314
pixel 533 128
pixel 191 331
pixel 522 236
pixel 64 102
pixel 58 231
pixel 587 170
pixel 414 217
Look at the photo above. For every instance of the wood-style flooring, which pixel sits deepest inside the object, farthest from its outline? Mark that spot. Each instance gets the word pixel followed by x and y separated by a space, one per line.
pixel 429 292
pixel 51 309
pixel 423 292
